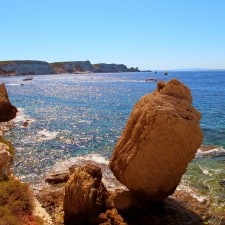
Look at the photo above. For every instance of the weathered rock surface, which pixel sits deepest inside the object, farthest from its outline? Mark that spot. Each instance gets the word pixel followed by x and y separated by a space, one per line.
pixel 161 137
pixel 51 198
pixel 6 160
pixel 7 110
pixel 25 67
pixel 122 207
pixel 85 195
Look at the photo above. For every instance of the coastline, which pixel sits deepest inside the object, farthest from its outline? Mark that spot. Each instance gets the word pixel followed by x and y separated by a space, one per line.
pixel 187 196
pixel 34 67
pixel 182 205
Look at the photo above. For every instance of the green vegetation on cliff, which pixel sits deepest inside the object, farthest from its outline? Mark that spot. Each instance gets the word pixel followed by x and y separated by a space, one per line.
pixel 16 199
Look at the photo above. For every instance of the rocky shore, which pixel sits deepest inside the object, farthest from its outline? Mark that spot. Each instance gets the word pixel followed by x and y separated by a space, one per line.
pixel 160 138
pixel 32 67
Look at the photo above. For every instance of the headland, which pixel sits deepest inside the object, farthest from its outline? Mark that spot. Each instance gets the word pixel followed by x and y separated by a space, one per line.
pixel 35 67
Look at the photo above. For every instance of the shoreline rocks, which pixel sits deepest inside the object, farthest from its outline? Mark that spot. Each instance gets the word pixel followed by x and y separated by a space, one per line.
pixel 161 137
pixel 122 206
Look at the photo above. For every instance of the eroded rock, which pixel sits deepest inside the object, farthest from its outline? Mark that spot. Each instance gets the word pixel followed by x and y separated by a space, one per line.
pixel 85 195
pixel 161 137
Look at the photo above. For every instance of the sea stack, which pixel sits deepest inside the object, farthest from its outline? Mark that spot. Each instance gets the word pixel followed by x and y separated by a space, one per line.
pixel 7 110
pixel 160 138
pixel 85 195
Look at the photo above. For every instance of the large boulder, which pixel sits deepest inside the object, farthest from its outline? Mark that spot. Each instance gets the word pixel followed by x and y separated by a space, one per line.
pixel 161 137
pixel 85 195
pixel 7 110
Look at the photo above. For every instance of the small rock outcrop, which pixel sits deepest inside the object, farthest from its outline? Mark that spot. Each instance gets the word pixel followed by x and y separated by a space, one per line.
pixel 7 110
pixel 161 137
pixel 85 195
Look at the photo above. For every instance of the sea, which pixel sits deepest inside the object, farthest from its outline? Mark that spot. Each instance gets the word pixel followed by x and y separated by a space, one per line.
pixel 75 116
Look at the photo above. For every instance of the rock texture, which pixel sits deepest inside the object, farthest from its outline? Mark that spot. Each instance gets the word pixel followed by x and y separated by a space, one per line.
pixel 123 207
pixel 161 137
pixel 5 162
pixel 24 67
pixel 7 110
pixel 85 195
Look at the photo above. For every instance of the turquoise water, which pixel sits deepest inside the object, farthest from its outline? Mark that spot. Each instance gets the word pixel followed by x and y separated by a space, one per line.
pixel 81 114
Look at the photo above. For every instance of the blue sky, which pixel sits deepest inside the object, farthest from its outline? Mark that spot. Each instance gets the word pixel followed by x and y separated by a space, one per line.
pixel 149 34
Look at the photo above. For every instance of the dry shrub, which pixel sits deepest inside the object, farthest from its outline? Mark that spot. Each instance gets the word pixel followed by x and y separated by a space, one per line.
pixel 16 204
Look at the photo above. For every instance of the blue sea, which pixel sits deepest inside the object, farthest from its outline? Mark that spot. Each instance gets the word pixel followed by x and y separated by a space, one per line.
pixel 84 114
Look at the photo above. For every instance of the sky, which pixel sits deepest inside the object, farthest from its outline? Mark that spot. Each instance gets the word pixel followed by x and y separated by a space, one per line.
pixel 149 34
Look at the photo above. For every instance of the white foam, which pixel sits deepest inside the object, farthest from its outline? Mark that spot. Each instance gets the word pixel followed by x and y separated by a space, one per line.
pixel 22 117
pixel 107 176
pixel 80 160
pixel 44 135
pixel 13 84
pixel 210 153
pixel 192 192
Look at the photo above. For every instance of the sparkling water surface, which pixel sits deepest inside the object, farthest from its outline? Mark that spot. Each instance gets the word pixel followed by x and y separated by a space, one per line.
pixel 71 115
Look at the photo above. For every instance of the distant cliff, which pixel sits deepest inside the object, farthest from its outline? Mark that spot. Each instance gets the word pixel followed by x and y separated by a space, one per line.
pixel 72 67
pixel 86 66
pixel 31 67
pixel 25 67
pixel 112 68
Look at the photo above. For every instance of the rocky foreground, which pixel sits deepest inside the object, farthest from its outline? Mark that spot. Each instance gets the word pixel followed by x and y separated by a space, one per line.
pixel 32 67
pixel 161 137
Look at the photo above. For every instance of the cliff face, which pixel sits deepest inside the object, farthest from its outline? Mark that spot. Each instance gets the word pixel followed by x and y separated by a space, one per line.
pixel 30 67
pixel 112 68
pixel 72 67
pixel 24 67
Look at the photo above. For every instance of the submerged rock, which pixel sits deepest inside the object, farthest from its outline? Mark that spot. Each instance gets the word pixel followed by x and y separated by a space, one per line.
pixel 161 137
pixel 85 195
pixel 7 110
